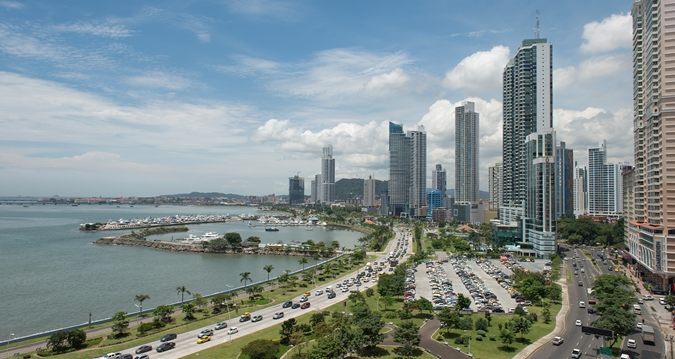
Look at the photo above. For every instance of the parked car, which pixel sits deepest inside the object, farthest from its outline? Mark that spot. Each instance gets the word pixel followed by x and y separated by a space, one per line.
pixel 278 315
pixel 221 325
pixel 631 343
pixel 168 337
pixel 143 349
pixel 165 346
pixel 304 305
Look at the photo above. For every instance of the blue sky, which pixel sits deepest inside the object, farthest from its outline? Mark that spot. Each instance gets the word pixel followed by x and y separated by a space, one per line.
pixel 154 97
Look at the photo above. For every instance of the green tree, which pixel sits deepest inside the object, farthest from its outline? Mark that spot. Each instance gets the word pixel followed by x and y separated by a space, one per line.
pixel 120 327
pixel 507 336
pixel 617 319
pixel 387 301
pixel 521 325
pixel 462 302
pixel 189 311
pixel 268 268
pixel 520 311
pixel 670 300
pixel 199 301
pixel 245 277
pixel 424 305
pixel 181 291
pixel 449 318
pixel 233 239
pixel 303 261
pixel 58 342
pixel 163 313
pixel 287 328
pixel 546 312
pixel 407 334
pixel 261 349
pixel 76 338
pixel 482 324
pixel 140 298
pixel 465 323
pixel 369 324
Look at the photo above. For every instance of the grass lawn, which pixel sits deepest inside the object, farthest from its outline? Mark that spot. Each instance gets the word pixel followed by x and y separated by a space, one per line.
pixel 495 349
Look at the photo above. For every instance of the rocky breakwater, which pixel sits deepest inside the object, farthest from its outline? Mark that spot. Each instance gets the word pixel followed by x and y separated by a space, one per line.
pixel 161 245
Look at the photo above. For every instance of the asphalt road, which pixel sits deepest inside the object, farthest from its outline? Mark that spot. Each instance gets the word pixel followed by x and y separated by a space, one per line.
pixel 186 343
pixel 572 335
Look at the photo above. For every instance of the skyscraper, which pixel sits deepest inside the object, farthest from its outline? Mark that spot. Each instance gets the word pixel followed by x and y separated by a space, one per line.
pixel 651 235
pixel 369 192
pixel 529 154
pixel 580 194
pixel 564 181
pixel 466 153
pixel 407 170
pixel 495 185
pixel 605 190
pixel 418 169
pixel 296 190
pixel 315 196
pixel 327 176
pixel 399 170
pixel 439 179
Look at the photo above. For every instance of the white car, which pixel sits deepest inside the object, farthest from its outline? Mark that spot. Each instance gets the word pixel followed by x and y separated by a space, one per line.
pixel 639 325
pixel 625 356
pixel 112 355
pixel 303 299
pixel 233 330
pixel 582 304
pixel 578 323
pixel 662 301
pixel 631 343
pixel 318 292
pixel 576 353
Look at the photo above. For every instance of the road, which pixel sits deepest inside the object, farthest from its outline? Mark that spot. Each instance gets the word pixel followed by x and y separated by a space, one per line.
pixel 186 343
pixel 572 335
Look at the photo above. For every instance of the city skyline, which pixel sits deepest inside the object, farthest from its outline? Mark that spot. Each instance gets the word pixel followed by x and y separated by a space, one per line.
pixel 98 102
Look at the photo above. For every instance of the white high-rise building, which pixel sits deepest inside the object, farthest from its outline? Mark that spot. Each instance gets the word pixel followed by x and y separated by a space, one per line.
pixel 327 176
pixel 466 153
pixel 495 185
pixel 605 189
pixel 418 169
pixel 580 194
pixel 369 192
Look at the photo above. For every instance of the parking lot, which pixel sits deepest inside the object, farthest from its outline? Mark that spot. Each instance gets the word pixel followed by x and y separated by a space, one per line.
pixel 431 282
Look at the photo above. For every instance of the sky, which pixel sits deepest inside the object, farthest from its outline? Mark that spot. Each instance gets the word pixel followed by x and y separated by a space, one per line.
pixel 143 98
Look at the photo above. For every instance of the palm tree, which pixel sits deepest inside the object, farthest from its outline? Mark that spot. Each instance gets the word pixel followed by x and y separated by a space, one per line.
pixel 140 298
pixel 268 268
pixel 182 290
pixel 245 277
pixel 303 261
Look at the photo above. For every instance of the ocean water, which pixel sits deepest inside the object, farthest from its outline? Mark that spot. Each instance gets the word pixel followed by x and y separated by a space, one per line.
pixel 52 275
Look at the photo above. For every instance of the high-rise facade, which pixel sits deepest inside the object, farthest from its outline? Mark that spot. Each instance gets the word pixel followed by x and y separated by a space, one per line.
pixel 495 185
pixel 407 170
pixel 564 181
pixel 327 176
pixel 418 169
pixel 580 194
pixel 315 192
pixel 529 154
pixel 369 192
pixel 651 234
pixel 628 175
pixel 296 190
pixel 605 192
pixel 399 170
pixel 439 179
pixel 434 201
pixel 466 153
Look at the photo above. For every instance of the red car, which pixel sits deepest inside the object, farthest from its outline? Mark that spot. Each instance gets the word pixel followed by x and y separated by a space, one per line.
pixel 304 305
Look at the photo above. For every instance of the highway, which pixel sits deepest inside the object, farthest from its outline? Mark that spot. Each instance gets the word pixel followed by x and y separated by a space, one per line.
pixel 186 343
pixel 572 335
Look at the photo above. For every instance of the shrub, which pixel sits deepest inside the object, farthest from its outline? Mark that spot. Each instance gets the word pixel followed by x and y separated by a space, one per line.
pixel 532 317
pixel 481 333
pixel 492 339
pixel 145 327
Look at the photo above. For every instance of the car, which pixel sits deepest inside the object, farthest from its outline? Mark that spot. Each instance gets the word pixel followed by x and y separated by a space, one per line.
pixel 631 343
pixel 581 284
pixel 233 330
pixel 112 355
pixel 331 295
pixel 144 356
pixel 287 304
pixel 205 333
pixel 640 301
pixel 256 318
pixel 168 337
pixel 126 356
pixel 662 301
pixel 344 289
pixel 165 346
pixel 245 317
pixel 143 349
pixel 307 294
pixel 295 306
pixel 647 297
pixel 639 326
pixel 624 356
pixel 318 292
pixel 557 340
pixel 304 305
pixel 221 325
pixel 582 304
pixel 576 273
pixel 591 310
pixel 278 315
pixel 202 340
pixel 303 299
pixel 576 353
pixel 577 323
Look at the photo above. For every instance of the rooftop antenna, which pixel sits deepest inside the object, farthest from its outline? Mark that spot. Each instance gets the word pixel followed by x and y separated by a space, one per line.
pixel 536 26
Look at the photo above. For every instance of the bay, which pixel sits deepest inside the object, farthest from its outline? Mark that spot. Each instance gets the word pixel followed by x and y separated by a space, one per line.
pixel 52 275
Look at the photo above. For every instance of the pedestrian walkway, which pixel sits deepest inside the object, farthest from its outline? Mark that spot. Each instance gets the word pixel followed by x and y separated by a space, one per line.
pixel 440 350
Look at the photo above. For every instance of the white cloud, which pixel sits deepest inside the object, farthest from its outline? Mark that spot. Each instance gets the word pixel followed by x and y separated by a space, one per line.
pixel 480 72
pixel 591 69
pixel 249 66
pixel 345 72
pixel 276 9
pixel 86 162
pixel 613 32
pixel 12 5
pixel 107 29
pixel 158 79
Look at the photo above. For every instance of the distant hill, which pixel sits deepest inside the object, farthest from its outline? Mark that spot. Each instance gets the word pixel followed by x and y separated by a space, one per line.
pixel 347 188
pixel 206 195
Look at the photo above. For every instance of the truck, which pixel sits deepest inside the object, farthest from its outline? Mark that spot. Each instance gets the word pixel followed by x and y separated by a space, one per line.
pixel 648 334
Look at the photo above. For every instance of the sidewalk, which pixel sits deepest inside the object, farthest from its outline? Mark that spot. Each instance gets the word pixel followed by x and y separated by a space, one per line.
pixel 559 320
